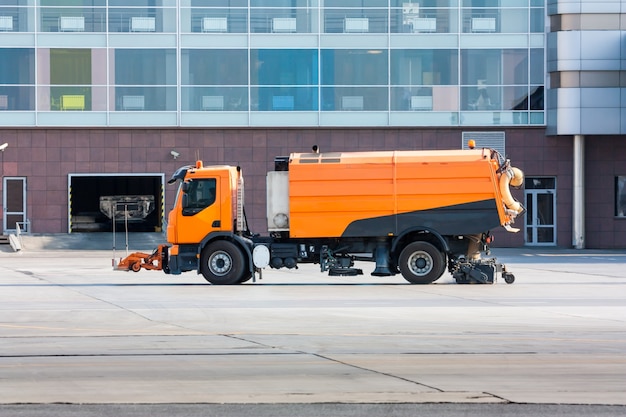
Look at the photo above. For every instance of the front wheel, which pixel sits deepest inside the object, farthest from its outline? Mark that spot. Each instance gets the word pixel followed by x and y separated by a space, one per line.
pixel 508 277
pixel 421 263
pixel 222 263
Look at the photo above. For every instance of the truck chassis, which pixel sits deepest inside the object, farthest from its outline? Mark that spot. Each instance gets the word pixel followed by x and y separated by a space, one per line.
pixel 234 260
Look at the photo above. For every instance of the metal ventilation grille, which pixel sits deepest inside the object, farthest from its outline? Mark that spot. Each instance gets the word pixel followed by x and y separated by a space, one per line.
pixel 493 140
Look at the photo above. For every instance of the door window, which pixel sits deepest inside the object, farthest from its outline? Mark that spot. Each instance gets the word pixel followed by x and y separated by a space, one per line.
pixel 540 211
pixel 14 203
pixel 200 195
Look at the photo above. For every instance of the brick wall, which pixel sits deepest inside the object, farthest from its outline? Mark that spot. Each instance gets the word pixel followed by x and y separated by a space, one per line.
pixel 47 156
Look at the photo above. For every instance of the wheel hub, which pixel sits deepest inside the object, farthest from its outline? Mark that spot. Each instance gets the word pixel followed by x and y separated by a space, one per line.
pixel 220 263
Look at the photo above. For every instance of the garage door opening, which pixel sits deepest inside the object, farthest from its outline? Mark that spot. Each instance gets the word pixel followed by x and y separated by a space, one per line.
pixel 97 200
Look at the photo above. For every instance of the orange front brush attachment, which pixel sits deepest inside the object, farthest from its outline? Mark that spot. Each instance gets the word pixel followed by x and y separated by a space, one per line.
pixel 137 260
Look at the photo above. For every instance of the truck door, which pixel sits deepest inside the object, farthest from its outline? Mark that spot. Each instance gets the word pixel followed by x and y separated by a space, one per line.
pixel 200 211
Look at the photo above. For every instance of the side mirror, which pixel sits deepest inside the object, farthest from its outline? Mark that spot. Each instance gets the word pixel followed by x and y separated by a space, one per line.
pixel 185 200
pixel 184 187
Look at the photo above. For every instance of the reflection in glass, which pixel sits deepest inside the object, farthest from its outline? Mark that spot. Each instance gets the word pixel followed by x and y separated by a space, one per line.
pixel 354 67
pixel 283 98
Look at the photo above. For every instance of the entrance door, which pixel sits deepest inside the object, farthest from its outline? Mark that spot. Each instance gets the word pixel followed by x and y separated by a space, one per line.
pixel 14 204
pixel 540 211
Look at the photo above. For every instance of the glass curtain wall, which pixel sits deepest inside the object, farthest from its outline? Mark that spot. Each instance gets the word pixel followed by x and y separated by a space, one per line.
pixel 17 79
pixel 214 80
pixel 247 56
pixel 145 79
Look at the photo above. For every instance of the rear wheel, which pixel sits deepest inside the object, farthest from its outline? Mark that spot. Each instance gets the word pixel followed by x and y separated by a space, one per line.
pixel 421 263
pixel 222 263
pixel 245 278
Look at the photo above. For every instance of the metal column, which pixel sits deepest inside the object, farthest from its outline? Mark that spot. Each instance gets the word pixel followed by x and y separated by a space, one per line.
pixel 578 197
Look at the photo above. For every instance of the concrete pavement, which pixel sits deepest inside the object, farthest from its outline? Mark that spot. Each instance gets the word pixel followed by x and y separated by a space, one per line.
pixel 73 330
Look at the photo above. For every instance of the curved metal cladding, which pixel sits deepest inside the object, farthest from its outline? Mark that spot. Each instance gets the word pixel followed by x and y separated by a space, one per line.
pixel 462 219
pixel 385 193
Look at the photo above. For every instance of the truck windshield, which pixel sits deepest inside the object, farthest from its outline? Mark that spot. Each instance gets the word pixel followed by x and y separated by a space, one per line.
pixel 200 195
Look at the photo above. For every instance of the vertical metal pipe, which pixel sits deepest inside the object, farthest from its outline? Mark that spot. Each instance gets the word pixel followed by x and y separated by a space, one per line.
pixel 578 197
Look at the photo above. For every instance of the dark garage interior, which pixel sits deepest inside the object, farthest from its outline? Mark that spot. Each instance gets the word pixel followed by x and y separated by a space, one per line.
pixel 84 200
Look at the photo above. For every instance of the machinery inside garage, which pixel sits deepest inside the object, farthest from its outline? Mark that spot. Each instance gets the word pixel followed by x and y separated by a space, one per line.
pixel 97 201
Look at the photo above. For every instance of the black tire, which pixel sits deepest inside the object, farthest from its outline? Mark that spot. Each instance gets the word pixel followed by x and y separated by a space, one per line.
pixel 245 278
pixel 421 263
pixel 222 263
pixel 508 277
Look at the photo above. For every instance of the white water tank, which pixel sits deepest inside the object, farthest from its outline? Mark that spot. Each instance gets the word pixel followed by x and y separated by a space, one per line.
pixel 277 201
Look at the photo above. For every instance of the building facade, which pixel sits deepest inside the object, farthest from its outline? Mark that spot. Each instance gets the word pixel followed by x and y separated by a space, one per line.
pixel 108 97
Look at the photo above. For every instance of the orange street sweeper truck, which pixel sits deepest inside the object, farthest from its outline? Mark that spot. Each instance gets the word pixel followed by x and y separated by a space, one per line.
pixel 416 213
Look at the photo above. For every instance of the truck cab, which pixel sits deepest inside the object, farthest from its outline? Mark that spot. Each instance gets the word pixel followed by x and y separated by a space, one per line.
pixel 205 207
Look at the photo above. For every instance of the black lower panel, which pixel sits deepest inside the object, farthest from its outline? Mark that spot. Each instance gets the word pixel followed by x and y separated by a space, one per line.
pixel 462 219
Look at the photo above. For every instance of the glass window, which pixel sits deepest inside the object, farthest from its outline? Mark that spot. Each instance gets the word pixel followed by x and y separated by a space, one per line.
pixel 14 16
pixel 354 67
pixel 283 71
pixel 481 97
pixel 214 73
pixel 17 69
pixel 484 3
pixel 17 66
pixel 540 183
pixel 214 20
pixel 284 98
pixel 100 3
pixel 515 98
pixel 279 3
pixel 145 98
pixel 141 77
pixel 355 98
pixel 139 3
pixel 513 20
pixel 70 79
pixel 145 67
pixel 282 16
pixel 219 3
pixel 537 20
pixel 72 16
pixel 200 195
pixel 355 3
pixel 481 72
pixel 418 18
pixel 424 67
pixel 141 16
pixel 515 66
pixel 283 67
pixel 282 20
pixel 536 97
pixel 17 97
pixel 223 98
pixel 620 196
pixel 356 19
pixel 347 69
pixel 426 3
pixel 537 69
pixel 214 66
pixel 70 66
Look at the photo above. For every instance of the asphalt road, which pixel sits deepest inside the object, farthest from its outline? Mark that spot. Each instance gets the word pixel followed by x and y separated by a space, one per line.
pixel 77 338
